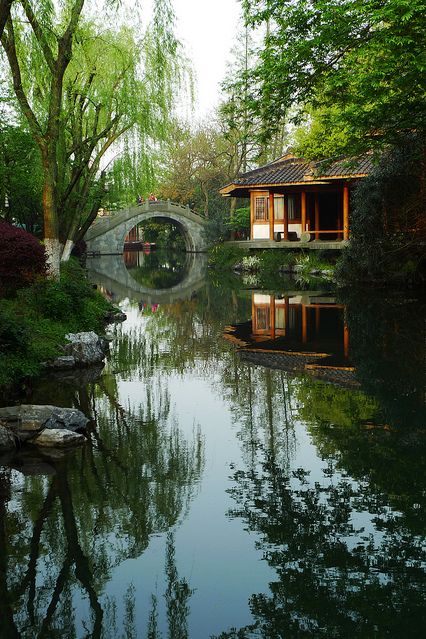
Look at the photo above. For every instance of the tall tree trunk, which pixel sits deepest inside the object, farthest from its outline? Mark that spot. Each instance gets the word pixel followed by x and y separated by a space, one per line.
pixel 4 13
pixel 51 241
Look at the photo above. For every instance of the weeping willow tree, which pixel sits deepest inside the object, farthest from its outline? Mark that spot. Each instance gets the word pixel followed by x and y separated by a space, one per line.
pixel 82 89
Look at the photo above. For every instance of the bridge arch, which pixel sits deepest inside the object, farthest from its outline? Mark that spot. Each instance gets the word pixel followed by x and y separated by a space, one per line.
pixel 106 236
pixel 111 272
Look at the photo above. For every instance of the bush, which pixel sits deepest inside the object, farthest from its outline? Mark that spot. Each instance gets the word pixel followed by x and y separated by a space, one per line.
pixel 33 325
pixel 388 225
pixel 225 256
pixel 22 258
pixel 240 220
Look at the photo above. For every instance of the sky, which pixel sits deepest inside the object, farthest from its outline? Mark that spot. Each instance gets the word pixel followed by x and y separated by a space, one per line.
pixel 208 30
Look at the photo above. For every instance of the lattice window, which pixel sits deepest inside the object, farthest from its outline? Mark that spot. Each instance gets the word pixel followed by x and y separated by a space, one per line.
pixel 279 207
pixel 262 318
pixel 261 209
pixel 294 207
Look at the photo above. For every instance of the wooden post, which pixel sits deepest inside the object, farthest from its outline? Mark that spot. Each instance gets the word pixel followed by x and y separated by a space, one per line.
pixel 272 317
pixel 286 217
pixel 317 216
pixel 317 320
pixel 303 210
pixel 345 212
pixel 253 316
pixel 271 216
pixel 304 324
pixel 287 314
pixel 346 340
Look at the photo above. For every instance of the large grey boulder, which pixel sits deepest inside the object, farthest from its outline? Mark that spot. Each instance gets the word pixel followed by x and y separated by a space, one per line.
pixel 58 438
pixel 86 348
pixel 7 440
pixel 25 422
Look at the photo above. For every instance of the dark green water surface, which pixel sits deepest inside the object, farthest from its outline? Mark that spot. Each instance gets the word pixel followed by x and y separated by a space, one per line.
pixel 255 467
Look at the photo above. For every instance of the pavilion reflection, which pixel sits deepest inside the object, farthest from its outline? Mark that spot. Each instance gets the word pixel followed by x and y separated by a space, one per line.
pixel 297 332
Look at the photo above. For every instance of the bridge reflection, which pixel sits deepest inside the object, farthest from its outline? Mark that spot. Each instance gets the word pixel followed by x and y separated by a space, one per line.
pixel 125 276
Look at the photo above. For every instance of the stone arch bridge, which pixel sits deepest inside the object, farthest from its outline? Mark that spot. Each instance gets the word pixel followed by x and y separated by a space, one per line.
pixel 106 235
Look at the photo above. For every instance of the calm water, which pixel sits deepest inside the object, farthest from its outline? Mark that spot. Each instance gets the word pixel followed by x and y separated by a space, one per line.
pixel 255 468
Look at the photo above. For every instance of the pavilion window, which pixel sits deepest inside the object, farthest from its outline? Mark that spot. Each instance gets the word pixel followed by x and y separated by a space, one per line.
pixel 261 209
pixel 262 318
pixel 280 317
pixel 294 207
pixel 279 207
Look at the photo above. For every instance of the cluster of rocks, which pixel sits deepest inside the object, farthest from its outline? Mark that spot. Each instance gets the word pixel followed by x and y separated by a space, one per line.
pixel 252 265
pixel 43 426
pixel 82 349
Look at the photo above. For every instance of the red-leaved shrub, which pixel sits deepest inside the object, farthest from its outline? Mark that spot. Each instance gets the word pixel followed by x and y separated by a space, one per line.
pixel 22 258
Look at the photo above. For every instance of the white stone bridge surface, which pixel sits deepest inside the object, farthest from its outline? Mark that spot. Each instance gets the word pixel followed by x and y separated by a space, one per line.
pixel 107 234
pixel 111 272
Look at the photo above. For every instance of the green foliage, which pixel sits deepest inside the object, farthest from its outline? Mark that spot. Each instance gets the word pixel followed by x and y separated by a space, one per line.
pixel 240 220
pixel 321 135
pixel 225 256
pixel 216 229
pixel 34 324
pixel 388 227
pixel 364 60
pixel 21 178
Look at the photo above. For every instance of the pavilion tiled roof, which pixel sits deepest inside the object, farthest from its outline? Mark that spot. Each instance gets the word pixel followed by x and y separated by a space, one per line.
pixel 278 172
pixel 292 170
pixel 348 167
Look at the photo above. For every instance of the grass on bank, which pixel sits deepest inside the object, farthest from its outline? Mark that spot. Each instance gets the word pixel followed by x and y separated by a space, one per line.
pixel 34 322
pixel 305 266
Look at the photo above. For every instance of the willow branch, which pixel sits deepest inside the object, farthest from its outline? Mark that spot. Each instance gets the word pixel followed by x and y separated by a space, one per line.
pixel 4 13
pixel 9 45
pixel 39 34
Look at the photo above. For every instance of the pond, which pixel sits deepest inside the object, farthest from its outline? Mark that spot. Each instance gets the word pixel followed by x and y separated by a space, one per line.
pixel 255 467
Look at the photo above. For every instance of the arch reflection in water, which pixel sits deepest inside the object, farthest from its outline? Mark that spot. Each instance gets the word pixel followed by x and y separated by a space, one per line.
pixel 131 275
pixel 157 269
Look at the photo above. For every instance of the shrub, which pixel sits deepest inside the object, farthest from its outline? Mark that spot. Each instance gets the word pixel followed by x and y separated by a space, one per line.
pixel 388 225
pixel 250 262
pixel 33 325
pixel 240 220
pixel 225 256
pixel 22 258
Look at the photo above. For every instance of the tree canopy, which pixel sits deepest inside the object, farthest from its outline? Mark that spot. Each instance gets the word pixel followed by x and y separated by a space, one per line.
pixel 81 87
pixel 362 60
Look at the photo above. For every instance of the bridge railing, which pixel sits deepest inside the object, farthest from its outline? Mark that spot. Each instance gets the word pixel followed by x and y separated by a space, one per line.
pixel 105 223
pixel 148 204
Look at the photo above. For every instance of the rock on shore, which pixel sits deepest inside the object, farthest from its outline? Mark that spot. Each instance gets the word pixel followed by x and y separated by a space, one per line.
pixel 41 425
pixel 83 349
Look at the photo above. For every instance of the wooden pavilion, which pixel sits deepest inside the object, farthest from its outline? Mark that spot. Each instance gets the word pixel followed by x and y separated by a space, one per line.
pixel 293 199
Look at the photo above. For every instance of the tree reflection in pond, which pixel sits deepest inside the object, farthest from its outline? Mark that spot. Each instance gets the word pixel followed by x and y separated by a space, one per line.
pixel 327 484
pixel 346 563
pixel 65 533
pixel 158 269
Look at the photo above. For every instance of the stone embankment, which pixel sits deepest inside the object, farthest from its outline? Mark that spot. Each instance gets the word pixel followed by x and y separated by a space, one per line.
pixel 82 349
pixel 43 426
pixel 50 426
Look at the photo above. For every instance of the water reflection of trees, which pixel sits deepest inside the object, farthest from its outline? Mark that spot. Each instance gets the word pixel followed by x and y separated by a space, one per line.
pixel 64 533
pixel 347 546
pixel 160 270
pixel 346 564
pixel 181 335
pixel 348 427
pixel 388 348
